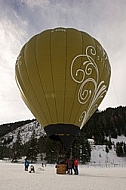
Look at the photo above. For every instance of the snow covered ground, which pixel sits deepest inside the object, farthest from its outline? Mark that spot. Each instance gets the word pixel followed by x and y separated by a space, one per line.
pixel 13 177
pixel 99 155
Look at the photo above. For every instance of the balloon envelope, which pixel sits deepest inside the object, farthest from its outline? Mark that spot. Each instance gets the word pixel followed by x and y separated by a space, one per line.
pixel 63 75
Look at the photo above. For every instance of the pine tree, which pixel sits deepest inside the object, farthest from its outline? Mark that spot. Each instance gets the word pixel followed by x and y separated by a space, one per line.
pixel 124 147
pixel 17 148
pixel 119 149
pixel 32 148
pixel 81 148
pixel 53 150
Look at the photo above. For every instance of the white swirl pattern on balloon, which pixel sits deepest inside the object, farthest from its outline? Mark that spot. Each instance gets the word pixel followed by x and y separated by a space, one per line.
pixel 88 96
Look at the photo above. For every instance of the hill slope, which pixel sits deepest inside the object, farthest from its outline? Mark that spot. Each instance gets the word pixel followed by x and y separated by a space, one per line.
pixel 98 152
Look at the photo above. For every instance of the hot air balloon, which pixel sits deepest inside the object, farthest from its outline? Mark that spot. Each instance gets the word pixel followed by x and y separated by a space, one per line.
pixel 63 75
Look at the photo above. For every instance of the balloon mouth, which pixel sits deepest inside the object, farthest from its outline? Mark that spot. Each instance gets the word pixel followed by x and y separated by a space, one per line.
pixel 65 133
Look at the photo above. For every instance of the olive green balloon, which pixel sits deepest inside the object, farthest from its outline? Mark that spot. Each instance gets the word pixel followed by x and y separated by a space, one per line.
pixel 63 75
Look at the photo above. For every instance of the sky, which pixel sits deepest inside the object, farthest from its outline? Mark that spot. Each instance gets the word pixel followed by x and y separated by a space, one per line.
pixel 20 20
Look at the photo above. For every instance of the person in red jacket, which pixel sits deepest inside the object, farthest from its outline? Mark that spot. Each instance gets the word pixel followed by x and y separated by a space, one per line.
pixel 76 162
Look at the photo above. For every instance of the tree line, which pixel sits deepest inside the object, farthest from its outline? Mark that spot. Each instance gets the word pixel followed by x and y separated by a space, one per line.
pixel 101 127
pixel 109 123
pixel 45 146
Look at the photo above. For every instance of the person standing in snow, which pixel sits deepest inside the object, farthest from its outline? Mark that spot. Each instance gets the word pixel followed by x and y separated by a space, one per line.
pixel 26 164
pixel 70 166
pixel 76 162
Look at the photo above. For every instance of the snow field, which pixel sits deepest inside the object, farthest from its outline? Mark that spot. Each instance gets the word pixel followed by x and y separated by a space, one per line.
pixel 13 177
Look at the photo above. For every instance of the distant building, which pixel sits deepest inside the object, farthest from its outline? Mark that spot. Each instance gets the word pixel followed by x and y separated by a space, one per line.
pixel 91 141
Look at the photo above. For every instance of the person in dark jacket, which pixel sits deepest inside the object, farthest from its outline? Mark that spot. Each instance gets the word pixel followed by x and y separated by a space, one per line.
pixel 70 166
pixel 26 164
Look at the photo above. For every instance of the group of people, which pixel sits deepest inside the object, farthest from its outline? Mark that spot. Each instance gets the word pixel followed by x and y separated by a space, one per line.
pixel 32 168
pixel 72 166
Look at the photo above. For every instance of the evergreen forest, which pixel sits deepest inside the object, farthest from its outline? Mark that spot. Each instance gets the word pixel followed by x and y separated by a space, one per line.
pixel 102 127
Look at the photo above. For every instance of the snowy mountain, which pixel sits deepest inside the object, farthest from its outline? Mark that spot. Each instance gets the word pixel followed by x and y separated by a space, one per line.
pixel 26 132
pixel 98 152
